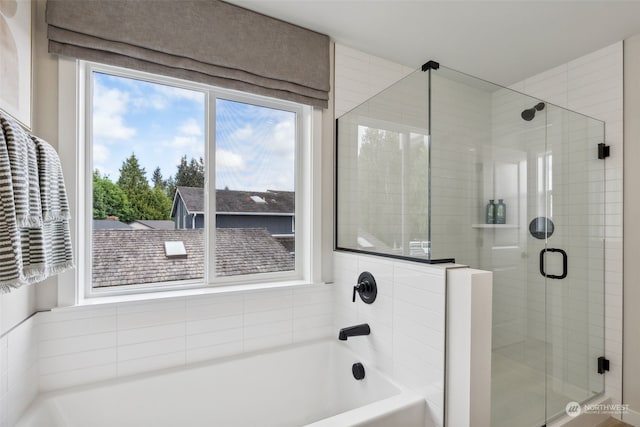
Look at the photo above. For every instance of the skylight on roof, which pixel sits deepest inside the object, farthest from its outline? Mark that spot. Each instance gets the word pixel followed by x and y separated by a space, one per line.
pixel 175 249
pixel 258 199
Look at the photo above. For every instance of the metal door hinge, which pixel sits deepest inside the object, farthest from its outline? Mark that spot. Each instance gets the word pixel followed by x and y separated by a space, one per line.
pixel 603 364
pixel 603 151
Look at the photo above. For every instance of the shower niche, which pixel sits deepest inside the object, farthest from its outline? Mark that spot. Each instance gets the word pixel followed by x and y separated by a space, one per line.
pixel 416 166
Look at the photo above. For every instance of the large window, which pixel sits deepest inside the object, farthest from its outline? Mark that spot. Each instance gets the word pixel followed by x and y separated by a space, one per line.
pixel 189 185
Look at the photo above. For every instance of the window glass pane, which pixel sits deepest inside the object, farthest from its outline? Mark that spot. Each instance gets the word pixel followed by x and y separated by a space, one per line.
pixel 148 145
pixel 255 189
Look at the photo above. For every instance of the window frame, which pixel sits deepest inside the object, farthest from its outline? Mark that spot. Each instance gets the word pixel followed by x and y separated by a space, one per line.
pixel 305 224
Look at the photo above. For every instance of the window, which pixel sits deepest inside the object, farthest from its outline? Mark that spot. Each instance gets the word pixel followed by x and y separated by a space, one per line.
pixel 173 163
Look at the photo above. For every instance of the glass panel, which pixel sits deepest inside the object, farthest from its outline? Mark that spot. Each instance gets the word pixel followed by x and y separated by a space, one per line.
pixel 483 150
pixel 383 172
pixel 255 189
pixel 575 201
pixel 147 140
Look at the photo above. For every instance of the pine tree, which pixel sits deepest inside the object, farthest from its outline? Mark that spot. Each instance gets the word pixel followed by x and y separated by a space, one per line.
pixel 190 174
pixel 157 180
pixel 133 182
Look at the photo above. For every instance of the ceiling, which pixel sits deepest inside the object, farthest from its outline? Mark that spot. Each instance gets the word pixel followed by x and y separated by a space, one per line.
pixel 501 41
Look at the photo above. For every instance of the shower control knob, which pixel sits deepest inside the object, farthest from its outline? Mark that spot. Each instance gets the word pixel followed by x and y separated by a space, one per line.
pixel 366 288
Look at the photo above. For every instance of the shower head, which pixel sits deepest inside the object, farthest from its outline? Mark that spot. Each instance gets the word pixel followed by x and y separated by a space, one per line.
pixel 530 113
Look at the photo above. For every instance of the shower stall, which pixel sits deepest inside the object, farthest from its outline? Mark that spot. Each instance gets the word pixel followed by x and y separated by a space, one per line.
pixel 416 168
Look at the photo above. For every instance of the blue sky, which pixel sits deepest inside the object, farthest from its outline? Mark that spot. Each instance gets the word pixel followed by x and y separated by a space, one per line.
pixel 254 145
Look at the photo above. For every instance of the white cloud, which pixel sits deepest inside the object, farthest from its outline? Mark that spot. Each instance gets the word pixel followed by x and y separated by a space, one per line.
pixel 157 102
pixel 109 108
pixel 283 142
pixel 227 161
pixel 191 127
pixel 179 93
pixel 243 134
pixel 100 153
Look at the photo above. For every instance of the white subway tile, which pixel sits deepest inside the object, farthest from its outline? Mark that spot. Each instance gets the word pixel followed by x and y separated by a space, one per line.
pixel 266 317
pixel 21 396
pixel 214 309
pixel 268 329
pixel 214 338
pixel 72 328
pixel 266 341
pixel 152 348
pixel 266 302
pixel 200 354
pixel 85 359
pixel 313 333
pixel 151 333
pixel 131 320
pixel 77 344
pixel 77 377
pixel 74 313
pixel 214 324
pixel 151 306
pixel 151 363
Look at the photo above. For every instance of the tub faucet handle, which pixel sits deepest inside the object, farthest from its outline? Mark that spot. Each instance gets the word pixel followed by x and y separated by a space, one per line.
pixel 366 287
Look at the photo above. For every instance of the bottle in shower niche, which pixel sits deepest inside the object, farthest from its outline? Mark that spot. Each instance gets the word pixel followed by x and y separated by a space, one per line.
pixel 491 212
pixel 501 212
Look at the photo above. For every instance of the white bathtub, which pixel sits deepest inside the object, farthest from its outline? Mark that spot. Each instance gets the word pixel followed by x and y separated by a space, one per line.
pixel 309 384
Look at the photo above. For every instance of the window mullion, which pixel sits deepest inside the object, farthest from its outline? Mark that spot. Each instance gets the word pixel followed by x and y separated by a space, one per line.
pixel 210 185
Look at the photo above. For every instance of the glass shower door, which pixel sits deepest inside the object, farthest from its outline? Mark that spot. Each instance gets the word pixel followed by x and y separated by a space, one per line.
pixel 572 260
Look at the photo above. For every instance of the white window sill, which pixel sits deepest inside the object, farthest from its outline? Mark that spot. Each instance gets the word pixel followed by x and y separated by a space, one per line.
pixel 176 294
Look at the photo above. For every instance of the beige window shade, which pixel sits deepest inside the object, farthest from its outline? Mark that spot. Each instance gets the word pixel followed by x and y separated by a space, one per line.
pixel 207 41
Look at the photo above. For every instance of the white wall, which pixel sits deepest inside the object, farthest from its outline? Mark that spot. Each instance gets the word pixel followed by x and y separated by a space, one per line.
pixel 631 380
pixel 407 321
pixel 79 345
pixel 18 371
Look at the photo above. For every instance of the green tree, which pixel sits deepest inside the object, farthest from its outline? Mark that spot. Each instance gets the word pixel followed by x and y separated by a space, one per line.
pixel 145 202
pixel 157 179
pixel 190 174
pixel 382 162
pixel 159 205
pixel 109 199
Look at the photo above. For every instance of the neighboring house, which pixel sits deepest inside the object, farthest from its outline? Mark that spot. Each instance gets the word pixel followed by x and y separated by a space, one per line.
pixel 125 257
pixel 148 224
pixel 273 210
pixel 188 208
pixel 109 224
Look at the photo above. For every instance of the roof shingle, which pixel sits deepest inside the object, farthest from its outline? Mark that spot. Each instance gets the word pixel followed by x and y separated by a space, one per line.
pixel 239 201
pixel 126 257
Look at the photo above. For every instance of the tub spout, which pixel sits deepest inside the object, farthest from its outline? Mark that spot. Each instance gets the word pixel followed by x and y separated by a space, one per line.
pixel 352 331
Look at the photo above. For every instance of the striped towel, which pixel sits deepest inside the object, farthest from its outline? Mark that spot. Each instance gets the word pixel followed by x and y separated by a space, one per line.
pixel 35 239
pixel 10 254
pixel 24 173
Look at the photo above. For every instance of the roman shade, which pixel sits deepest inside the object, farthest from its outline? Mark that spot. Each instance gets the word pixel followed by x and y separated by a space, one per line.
pixel 207 41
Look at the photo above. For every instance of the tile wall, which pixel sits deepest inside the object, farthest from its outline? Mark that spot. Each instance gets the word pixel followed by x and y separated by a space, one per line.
pixel 18 370
pixel 407 321
pixel 87 344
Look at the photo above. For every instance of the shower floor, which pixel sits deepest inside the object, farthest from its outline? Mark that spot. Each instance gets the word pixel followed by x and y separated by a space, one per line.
pixel 518 394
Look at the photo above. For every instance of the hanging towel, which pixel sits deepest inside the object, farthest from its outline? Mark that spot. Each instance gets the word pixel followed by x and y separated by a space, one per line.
pixel 24 173
pixel 10 254
pixel 55 255
pixel 35 212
